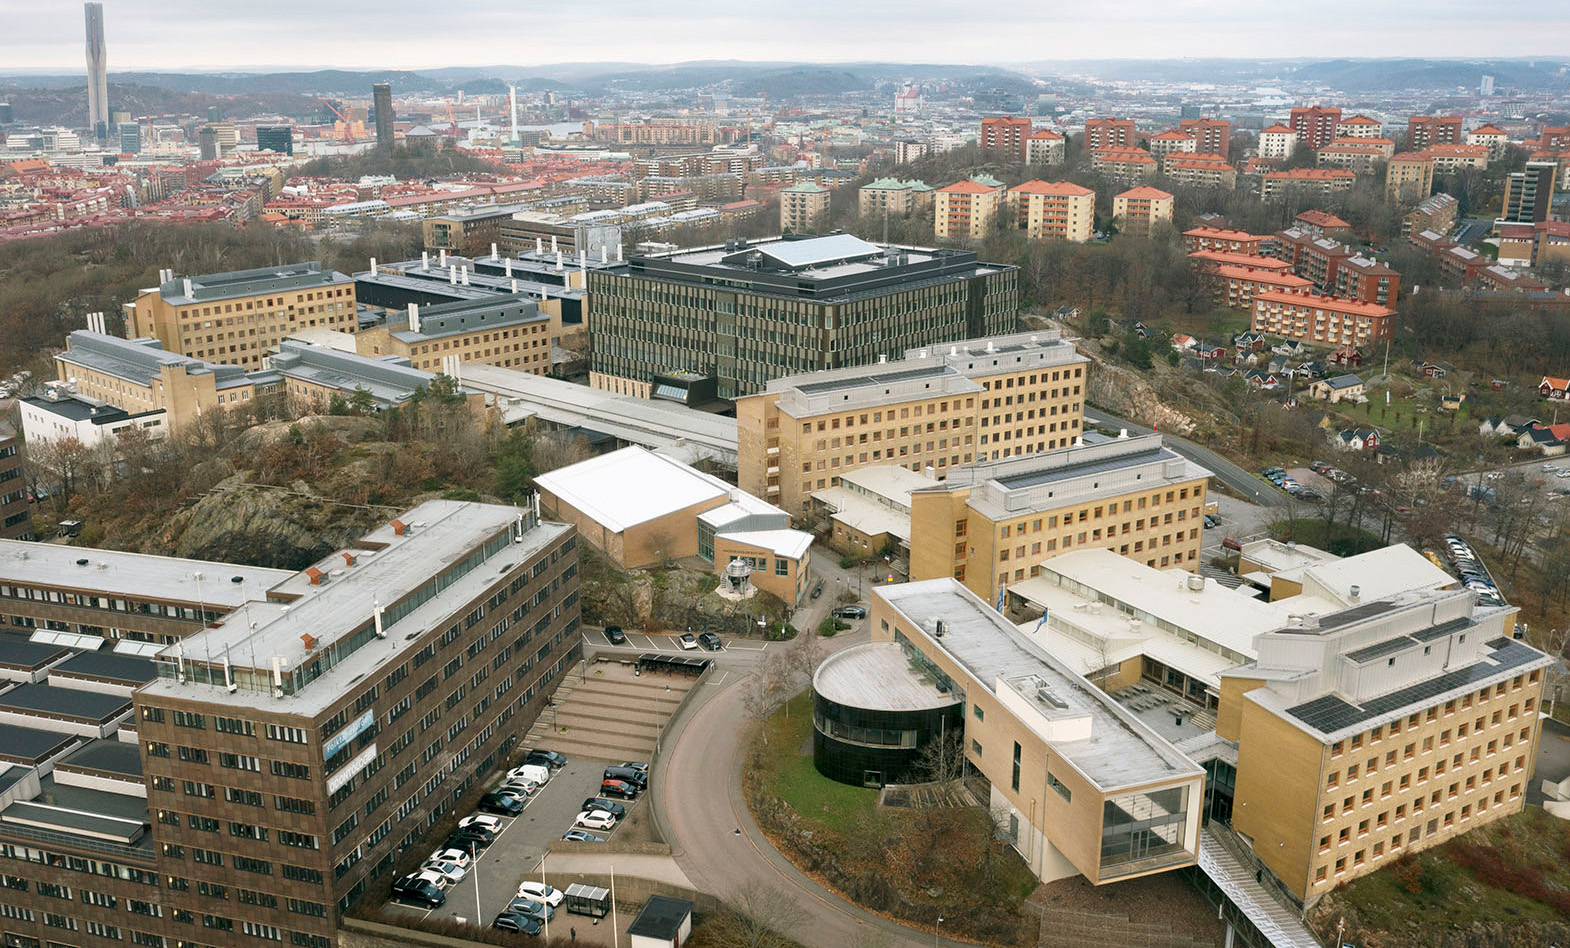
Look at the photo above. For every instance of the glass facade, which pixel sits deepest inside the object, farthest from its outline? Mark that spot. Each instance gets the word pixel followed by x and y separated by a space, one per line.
pixel 1140 826
pixel 872 746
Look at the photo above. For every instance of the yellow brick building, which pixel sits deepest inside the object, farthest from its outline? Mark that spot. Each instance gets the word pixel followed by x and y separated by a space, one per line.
pixel 996 522
pixel 1385 728
pixel 937 408
pixel 967 210
pixel 1054 210
pixel 507 331
pixel 236 318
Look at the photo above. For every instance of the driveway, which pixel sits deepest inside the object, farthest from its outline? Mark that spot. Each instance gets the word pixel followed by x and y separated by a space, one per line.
pixel 719 847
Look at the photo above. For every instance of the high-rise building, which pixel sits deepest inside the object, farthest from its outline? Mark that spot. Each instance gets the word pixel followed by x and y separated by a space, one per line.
pixel 966 209
pixel 1005 136
pixel 1110 133
pixel 207 141
pixel 820 302
pixel 1053 210
pixel 1528 193
pixel 381 95
pixel 5 113
pixel 279 138
pixel 1315 125
pixel 97 72
pixel 228 136
pixel 1213 136
pixel 130 136
pixel 1425 130
pixel 1486 87
pixel 15 521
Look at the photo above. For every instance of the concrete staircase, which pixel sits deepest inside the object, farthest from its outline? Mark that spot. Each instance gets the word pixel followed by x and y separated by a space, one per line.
pixel 610 716
pixel 1068 928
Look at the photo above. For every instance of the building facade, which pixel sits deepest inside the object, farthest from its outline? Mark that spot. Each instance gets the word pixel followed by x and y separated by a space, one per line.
pixel 1323 320
pixel 16 521
pixel 1212 136
pixel 967 210
pixel 746 314
pixel 1277 142
pixel 1409 176
pixel 1140 210
pixel 1315 126
pixel 939 407
pixel 1053 210
pixel 1005 136
pixel 235 318
pixel 1110 133
pixel 1529 193
pixel 996 522
pixel 1425 130
pixel 803 208
pixel 894 197
pixel 1045 147
pixel 509 331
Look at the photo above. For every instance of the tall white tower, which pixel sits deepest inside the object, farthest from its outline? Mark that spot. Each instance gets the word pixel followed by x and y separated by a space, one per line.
pixel 97 72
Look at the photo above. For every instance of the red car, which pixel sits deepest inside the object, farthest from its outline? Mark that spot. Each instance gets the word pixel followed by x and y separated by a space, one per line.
pixel 619 788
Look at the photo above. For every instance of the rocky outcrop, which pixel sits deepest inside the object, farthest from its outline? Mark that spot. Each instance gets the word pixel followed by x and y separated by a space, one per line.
pixel 241 523
pixel 1125 393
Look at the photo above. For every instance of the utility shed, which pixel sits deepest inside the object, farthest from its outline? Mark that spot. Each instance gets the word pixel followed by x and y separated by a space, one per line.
pixel 663 922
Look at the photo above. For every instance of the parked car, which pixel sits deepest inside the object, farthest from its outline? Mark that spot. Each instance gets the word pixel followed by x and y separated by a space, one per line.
pixel 454 855
pixel 850 612
pixel 532 908
pixel 463 838
pixel 517 922
pixel 418 889
pixel 1211 520
pixel 1232 543
pixel 614 635
pixel 451 872
pixel 503 802
pixel 1318 467
pixel 619 788
pixel 600 803
pixel 817 590
pixel 595 820
pixel 579 836
pixel 535 773
pixel 549 758
pixel 519 787
pixel 710 641
pixel 540 892
pixel 641 767
pixel 632 775
pixel 687 641
pixel 492 823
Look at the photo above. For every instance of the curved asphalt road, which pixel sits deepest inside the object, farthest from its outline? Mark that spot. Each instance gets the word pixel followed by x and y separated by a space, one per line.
pixel 1242 482
pixel 702 809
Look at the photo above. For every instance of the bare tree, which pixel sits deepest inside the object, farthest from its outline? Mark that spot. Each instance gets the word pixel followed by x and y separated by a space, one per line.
pixel 763 690
pixel 758 917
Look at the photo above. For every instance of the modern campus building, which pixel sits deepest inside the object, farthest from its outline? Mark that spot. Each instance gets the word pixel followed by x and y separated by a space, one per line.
pixel 747 313
pixel 1132 720
pixel 996 522
pixel 505 330
pixel 677 511
pixel 235 318
pixel 941 406
pixel 262 773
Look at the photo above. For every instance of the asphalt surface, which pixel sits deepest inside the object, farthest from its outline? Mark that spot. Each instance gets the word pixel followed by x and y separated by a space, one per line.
pixel 719 846
pixel 1244 483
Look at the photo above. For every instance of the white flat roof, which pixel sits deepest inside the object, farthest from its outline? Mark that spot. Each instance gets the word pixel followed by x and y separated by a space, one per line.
pixel 136 575
pixel 877 676
pixel 791 544
pixel 625 488
pixel 1378 574
pixel 863 514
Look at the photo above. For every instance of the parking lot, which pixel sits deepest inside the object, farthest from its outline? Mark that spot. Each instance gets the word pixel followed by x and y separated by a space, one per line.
pixel 520 848
pixel 668 642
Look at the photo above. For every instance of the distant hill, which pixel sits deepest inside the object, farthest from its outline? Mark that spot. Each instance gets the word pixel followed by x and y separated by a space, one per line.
pixel 1353 75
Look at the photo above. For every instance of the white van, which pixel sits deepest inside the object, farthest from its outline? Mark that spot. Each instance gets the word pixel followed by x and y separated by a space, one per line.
pixel 536 772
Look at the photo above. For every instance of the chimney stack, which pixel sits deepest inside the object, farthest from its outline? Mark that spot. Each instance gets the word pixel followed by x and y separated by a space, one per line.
pixel 414 317
pixel 441 258
pixel 425 260
pixel 494 254
pixel 373 266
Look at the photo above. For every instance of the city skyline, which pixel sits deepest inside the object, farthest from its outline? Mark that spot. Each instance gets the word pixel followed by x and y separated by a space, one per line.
pixel 182 34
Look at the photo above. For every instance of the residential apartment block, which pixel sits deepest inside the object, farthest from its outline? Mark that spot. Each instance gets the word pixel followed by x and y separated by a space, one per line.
pixel 1315 126
pixel 1124 164
pixel 1110 133
pixel 1140 210
pixel 995 522
pixel 1336 268
pixel 1387 728
pixel 235 318
pixel 1045 147
pixel 1200 170
pixel 1409 176
pixel 748 313
pixel 1359 126
pixel 1237 286
pixel 1423 131
pixel 939 407
pixel 1212 136
pixel 1277 142
pixel 1227 241
pixel 1323 320
pixel 1529 193
pixel 1053 210
pixel 16 521
pixel 1491 137
pixel 894 197
pixel 1436 213
pixel 1360 155
pixel 1170 142
pixel 1006 136
pixel 803 208
pixel 967 209
pixel 1324 181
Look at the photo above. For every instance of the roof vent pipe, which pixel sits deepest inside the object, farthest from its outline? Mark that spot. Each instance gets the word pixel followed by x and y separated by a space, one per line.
pixel 506 265
pixel 1122 434
pixel 441 257
pixel 425 260
pixel 1356 591
pixel 373 266
pixel 495 255
pixel 539 246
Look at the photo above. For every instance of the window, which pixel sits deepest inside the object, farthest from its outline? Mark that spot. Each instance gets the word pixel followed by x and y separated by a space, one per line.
pixel 1015 781
pixel 1058 785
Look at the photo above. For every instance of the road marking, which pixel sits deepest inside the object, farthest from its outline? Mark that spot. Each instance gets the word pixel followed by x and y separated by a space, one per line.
pixel 723 676
pixel 742 647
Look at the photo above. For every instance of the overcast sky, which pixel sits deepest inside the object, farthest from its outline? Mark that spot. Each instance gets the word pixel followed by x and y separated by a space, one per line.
pixel 173 34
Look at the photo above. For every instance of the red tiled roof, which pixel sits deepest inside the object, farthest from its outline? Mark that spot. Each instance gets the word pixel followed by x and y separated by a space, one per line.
pixel 1145 193
pixel 1173 134
pixel 1278 129
pixel 1198 163
pixel 1047 134
pixel 1411 156
pixel 1487 130
pixel 1322 219
pixel 1057 188
pixel 1221 233
pixel 1358 119
pixel 966 187
pixel 1334 304
pixel 1222 258
pixel 1263 276
pixel 1125 155
pixel 1458 150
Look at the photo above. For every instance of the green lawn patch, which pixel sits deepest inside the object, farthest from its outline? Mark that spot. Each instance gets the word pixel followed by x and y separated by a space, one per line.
pixel 817 799
pixel 1342 540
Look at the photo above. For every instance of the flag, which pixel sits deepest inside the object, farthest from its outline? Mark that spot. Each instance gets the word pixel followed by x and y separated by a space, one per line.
pixel 1002 591
pixel 1043 621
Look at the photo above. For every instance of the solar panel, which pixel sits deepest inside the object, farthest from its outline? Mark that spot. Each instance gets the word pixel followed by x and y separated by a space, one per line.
pixel 1381 649
pixel 1442 629
pixel 1329 713
pixel 1356 614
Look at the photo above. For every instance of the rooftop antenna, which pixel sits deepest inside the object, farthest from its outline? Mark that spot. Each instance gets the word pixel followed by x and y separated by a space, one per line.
pixel 201 613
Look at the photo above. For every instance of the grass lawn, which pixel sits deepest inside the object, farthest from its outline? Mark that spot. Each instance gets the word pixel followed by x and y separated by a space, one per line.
pixel 1437 423
pixel 834 805
pixel 908 863
pixel 1506 872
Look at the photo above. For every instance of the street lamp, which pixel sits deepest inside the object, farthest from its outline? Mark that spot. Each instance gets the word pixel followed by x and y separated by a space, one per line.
pixel 935 931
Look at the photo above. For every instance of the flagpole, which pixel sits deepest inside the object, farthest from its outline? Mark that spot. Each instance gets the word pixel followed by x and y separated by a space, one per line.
pixel 615 925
